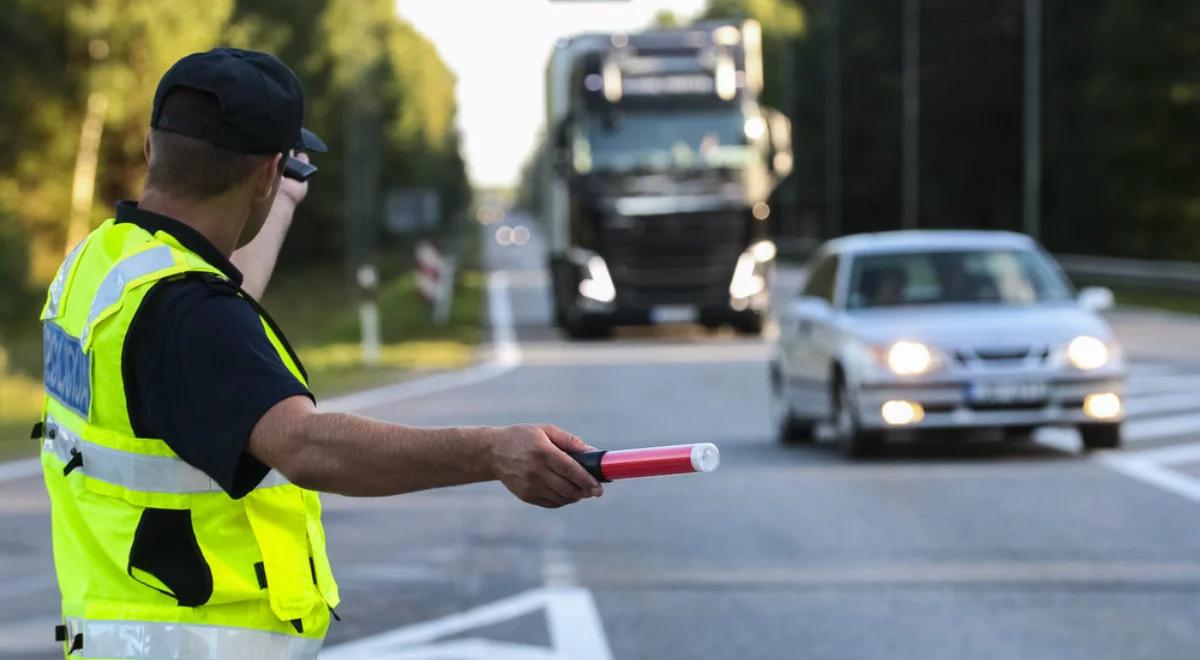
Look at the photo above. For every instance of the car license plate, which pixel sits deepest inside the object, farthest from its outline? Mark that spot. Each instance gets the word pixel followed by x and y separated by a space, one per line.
pixel 1008 392
pixel 673 314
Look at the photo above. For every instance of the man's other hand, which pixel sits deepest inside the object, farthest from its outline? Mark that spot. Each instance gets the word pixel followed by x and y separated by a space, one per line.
pixel 291 191
pixel 531 461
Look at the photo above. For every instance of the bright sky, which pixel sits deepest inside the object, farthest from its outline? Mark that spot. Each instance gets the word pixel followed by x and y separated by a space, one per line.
pixel 499 50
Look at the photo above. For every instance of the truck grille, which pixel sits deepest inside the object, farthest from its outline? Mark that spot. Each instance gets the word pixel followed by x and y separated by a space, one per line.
pixel 664 259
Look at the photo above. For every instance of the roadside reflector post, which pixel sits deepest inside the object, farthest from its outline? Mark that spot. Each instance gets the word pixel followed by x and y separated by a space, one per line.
pixel 435 280
pixel 368 313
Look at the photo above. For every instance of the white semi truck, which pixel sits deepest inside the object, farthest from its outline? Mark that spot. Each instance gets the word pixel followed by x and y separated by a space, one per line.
pixel 660 164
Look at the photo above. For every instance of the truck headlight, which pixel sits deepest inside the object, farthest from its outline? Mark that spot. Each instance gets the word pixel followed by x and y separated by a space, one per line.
pixel 598 285
pixel 909 358
pixel 748 276
pixel 1087 353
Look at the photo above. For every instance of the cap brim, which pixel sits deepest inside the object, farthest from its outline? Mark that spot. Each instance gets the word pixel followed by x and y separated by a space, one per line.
pixel 310 142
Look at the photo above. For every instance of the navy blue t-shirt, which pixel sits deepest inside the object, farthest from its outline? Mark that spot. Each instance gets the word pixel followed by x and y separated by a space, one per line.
pixel 199 370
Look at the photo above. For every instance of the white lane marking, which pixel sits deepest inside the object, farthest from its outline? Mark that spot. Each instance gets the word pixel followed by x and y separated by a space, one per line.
pixel 1151 466
pixel 576 632
pixel 1140 430
pixel 506 356
pixel 1146 405
pixel 1172 455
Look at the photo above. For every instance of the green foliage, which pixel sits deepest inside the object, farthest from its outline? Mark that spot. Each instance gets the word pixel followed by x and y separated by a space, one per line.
pixel 666 19
pixel 1120 116
pixel 59 51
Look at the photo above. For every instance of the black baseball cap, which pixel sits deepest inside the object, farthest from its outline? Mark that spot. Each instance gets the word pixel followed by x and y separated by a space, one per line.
pixel 260 99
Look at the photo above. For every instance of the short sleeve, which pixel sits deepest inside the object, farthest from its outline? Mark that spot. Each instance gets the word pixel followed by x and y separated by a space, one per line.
pixel 200 372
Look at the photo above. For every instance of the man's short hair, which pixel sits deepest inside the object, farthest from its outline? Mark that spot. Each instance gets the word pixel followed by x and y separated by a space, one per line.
pixel 191 168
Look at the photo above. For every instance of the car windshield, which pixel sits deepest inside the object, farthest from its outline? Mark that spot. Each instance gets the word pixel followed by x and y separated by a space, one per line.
pixel 1010 277
pixel 698 139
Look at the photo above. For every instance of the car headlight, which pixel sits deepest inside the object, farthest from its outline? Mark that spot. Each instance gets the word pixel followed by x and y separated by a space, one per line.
pixel 1087 353
pixel 909 358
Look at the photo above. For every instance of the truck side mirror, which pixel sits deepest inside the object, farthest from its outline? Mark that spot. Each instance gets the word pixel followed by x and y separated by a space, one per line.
pixel 561 147
pixel 779 129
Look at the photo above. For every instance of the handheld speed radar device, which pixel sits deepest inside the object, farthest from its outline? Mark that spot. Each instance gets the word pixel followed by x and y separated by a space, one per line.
pixel 298 169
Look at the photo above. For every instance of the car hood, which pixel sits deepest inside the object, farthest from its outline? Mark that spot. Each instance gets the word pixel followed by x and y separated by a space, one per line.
pixel 953 326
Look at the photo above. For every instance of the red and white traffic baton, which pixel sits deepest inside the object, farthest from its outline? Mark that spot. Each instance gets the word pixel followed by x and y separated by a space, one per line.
pixel 650 461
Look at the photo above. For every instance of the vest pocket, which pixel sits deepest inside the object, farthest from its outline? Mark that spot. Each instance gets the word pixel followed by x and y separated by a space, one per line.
pixel 278 519
pixel 166 557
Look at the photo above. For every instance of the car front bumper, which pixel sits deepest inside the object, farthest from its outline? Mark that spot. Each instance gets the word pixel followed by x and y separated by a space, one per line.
pixel 949 405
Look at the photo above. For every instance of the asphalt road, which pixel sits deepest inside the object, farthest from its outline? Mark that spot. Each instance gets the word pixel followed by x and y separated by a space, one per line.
pixel 974 551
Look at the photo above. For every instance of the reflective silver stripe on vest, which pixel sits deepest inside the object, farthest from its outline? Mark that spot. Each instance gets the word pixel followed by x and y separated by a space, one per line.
pixel 152 639
pixel 139 472
pixel 124 271
pixel 60 281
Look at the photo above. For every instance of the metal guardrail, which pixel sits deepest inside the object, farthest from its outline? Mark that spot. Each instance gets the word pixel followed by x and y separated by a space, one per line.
pixel 1177 275
pixel 1113 271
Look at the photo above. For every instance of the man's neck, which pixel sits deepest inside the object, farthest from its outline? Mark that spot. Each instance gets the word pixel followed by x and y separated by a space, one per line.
pixel 217 219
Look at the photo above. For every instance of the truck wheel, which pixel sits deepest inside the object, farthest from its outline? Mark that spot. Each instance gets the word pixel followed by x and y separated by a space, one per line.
pixel 749 325
pixel 1100 436
pixel 586 329
pixel 856 442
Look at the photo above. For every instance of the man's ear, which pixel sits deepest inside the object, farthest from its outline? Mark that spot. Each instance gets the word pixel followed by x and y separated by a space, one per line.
pixel 268 172
pixel 146 148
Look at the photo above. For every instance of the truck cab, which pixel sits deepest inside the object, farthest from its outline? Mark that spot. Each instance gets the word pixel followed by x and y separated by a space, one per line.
pixel 661 162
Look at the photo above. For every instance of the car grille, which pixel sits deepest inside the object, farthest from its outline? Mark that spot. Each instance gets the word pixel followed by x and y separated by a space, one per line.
pixel 661 259
pixel 1002 356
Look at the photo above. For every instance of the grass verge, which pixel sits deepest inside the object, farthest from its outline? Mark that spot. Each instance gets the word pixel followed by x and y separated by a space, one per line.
pixel 1157 299
pixel 321 322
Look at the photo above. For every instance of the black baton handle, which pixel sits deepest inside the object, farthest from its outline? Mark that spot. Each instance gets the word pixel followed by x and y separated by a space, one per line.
pixel 590 461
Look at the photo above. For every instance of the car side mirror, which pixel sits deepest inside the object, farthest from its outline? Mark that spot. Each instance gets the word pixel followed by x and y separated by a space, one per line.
pixel 560 148
pixel 1096 298
pixel 810 308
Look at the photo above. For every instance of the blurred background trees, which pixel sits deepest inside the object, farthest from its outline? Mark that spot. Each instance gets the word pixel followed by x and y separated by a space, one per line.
pixel 349 54
pixel 1120 117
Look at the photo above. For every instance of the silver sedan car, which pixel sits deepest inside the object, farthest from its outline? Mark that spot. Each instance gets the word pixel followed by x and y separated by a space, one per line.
pixel 898 332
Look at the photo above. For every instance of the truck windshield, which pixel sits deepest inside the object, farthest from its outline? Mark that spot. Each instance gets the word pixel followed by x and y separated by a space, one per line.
pixel 664 140
pixel 1011 277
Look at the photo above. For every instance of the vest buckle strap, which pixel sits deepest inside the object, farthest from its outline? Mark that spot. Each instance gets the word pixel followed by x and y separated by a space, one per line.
pixel 61 634
pixel 75 462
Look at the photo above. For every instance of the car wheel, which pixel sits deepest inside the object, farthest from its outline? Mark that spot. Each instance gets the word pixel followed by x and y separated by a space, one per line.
pixel 581 326
pixel 583 330
pixel 856 443
pixel 788 429
pixel 1100 436
pixel 749 325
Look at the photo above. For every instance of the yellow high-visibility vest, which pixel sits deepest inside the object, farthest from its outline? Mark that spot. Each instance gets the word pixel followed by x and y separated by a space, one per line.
pixel 154 560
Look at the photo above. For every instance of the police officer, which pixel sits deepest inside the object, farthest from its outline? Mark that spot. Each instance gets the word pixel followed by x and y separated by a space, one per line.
pixel 181 445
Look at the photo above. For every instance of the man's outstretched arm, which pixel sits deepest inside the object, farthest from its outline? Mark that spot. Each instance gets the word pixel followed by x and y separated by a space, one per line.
pixel 352 455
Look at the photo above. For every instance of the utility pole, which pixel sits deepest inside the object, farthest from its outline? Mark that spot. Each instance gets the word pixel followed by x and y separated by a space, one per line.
pixel 1032 122
pixel 833 119
pixel 911 121
pixel 361 130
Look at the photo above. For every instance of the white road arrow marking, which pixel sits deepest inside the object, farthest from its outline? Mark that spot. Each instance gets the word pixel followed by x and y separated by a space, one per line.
pixel 576 632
